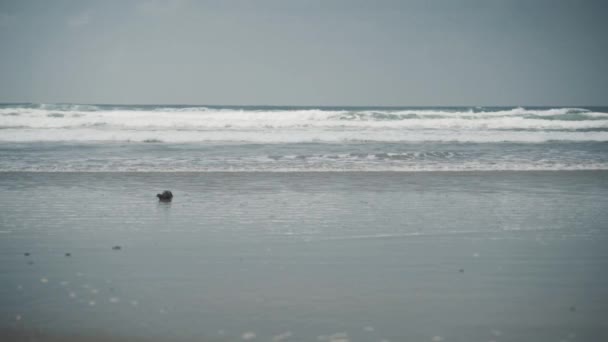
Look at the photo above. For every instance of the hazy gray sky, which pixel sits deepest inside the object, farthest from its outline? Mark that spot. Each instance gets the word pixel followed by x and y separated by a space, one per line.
pixel 306 52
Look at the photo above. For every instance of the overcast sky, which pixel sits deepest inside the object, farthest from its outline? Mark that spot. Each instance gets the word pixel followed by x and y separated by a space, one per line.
pixel 306 52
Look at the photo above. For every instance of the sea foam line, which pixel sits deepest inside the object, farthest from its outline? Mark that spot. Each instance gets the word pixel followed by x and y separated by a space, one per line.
pixel 293 136
pixel 465 168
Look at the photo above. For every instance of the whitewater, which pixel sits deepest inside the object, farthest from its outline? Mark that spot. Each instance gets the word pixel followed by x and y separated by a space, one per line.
pixel 146 138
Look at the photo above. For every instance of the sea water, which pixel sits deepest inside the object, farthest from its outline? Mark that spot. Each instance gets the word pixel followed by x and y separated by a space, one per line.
pixel 303 224
pixel 38 137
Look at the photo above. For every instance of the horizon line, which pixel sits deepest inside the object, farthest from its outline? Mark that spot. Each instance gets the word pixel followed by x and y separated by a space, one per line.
pixel 304 106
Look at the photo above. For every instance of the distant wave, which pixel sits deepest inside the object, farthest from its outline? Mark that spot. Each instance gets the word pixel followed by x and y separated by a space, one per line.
pixel 73 122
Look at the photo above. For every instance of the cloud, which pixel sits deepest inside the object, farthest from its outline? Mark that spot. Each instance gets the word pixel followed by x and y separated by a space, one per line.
pixel 6 20
pixel 158 7
pixel 79 20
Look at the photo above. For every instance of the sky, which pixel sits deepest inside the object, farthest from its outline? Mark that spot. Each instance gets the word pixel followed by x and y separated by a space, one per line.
pixel 305 52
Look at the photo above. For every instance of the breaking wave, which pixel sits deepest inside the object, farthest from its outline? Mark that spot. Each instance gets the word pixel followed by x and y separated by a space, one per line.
pixel 75 122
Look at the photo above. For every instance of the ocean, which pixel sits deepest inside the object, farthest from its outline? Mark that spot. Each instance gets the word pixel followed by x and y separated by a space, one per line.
pixel 90 138
pixel 333 224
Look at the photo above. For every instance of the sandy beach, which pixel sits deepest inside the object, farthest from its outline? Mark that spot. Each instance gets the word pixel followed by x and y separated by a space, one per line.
pixel 509 256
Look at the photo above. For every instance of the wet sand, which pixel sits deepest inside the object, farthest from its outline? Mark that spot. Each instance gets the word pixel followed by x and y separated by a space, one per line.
pixel 503 256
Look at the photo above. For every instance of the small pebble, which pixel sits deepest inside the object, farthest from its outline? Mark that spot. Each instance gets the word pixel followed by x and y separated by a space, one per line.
pixel 68 254
pixel 116 248
pixel 573 308
pixel 461 270
pixel 26 254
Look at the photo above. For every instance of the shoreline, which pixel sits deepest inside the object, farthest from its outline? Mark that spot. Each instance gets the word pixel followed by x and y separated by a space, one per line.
pixel 371 172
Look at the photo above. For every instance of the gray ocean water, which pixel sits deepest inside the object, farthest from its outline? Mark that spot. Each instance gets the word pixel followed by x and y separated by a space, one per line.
pixel 303 224
pixel 91 138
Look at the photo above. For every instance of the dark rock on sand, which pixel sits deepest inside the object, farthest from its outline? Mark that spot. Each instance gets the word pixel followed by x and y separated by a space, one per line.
pixel 26 254
pixel 166 196
pixel 68 254
pixel 116 248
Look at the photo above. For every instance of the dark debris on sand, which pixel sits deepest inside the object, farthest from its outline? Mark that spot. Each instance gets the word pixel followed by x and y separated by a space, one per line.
pixel 165 196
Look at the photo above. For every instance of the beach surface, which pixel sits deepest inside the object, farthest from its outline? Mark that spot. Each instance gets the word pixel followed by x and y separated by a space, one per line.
pixel 305 256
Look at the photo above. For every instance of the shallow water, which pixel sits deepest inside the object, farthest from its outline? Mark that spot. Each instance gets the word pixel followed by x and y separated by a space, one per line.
pixel 430 256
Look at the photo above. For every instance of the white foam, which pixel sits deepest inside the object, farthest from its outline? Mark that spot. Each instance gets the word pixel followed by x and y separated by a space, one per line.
pixel 420 166
pixel 200 124
pixel 226 120
pixel 292 136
